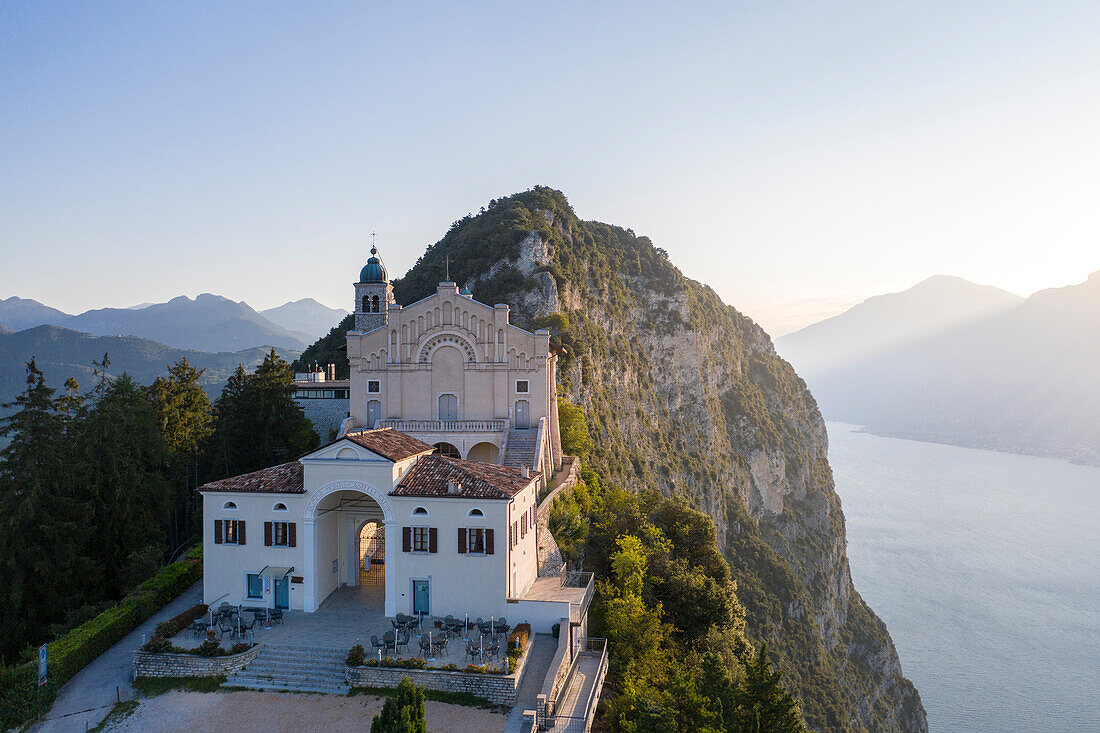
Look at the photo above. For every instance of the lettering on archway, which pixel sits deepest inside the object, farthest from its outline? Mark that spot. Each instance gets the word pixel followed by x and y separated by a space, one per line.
pixel 447 339
pixel 348 485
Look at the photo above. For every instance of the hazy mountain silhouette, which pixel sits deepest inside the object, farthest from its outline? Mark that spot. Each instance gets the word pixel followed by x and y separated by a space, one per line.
pixel 208 323
pixel 885 322
pixel 305 315
pixel 4 329
pixel 1023 379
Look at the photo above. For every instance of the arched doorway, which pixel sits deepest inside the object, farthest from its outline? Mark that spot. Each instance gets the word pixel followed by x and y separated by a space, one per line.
pixel 484 452
pixel 448 450
pixel 372 554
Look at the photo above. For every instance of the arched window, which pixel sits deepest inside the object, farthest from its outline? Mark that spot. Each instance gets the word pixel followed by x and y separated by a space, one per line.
pixel 420 512
pixel 229 505
pixel 448 450
pixel 374 304
pixel 280 507
pixel 366 304
pixel 475 513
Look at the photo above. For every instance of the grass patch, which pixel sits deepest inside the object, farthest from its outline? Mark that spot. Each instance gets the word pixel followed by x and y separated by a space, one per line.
pixel 467 699
pixel 153 686
pixel 120 711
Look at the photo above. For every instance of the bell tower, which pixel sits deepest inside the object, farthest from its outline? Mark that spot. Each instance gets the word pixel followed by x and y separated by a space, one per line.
pixel 373 294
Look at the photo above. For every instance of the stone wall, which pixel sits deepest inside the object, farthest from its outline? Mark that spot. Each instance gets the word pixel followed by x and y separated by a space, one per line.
pixel 325 414
pixel 148 664
pixel 499 689
pixel 549 556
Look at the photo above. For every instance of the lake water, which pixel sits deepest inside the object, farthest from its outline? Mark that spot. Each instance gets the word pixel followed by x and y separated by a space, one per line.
pixel 985 567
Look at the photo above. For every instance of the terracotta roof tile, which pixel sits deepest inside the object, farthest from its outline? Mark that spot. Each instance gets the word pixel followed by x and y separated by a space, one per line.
pixel 286 478
pixel 431 476
pixel 389 443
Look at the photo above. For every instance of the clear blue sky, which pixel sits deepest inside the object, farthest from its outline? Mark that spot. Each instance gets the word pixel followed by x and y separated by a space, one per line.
pixel 779 151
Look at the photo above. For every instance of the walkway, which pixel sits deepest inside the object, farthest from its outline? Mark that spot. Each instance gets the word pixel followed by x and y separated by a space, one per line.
pixel 574 701
pixel 534 673
pixel 89 695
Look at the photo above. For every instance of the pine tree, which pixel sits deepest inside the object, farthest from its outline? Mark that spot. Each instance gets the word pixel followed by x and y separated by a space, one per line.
pixel 403 712
pixel 42 523
pixel 763 704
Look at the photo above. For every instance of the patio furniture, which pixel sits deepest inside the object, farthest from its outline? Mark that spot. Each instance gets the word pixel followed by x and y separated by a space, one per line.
pixel 501 626
pixel 391 641
pixel 375 643
pixel 198 627
pixel 277 616
pixel 439 645
pixel 425 646
pixel 224 625
pixel 473 651
pixel 402 640
pixel 494 649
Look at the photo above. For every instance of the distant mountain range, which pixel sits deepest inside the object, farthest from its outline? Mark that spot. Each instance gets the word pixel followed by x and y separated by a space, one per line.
pixel 208 323
pixel 307 316
pixel 4 329
pixel 951 361
pixel 61 353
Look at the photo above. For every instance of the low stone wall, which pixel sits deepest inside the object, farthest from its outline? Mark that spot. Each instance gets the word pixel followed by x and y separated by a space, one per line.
pixel 549 556
pixel 499 689
pixel 148 664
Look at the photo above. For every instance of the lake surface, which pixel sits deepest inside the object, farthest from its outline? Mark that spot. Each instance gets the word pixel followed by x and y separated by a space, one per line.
pixel 985 567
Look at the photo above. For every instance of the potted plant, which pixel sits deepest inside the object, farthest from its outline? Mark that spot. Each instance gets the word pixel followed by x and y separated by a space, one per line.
pixel 211 634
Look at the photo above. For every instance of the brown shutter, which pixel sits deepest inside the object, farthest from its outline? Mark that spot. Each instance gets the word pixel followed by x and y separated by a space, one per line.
pixel 488 542
pixel 217 531
pixel 267 534
pixel 461 540
pixel 292 534
pixel 240 531
pixel 406 539
pixel 433 539
pixel 511 535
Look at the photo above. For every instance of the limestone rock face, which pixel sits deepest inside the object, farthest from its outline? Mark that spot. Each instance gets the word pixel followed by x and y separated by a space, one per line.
pixel 685 395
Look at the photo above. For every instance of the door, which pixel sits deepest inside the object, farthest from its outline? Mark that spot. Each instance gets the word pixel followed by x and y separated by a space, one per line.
pixel 282 593
pixel 448 407
pixel 523 414
pixel 374 413
pixel 421 597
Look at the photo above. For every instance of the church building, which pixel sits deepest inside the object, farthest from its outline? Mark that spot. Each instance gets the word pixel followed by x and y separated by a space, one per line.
pixel 430 490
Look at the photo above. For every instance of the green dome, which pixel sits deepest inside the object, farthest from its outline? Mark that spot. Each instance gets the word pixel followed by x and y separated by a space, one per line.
pixel 466 292
pixel 374 271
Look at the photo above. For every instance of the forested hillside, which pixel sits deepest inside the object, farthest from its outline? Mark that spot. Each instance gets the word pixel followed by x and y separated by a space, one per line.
pixel 686 397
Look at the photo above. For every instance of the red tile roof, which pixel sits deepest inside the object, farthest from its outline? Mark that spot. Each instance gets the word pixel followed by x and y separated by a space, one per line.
pixel 390 443
pixel 432 474
pixel 286 478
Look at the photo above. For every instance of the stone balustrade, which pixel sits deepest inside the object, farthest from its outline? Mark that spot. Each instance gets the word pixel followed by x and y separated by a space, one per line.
pixel 445 426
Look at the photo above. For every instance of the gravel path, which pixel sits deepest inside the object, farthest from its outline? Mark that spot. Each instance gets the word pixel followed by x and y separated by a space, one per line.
pixel 270 712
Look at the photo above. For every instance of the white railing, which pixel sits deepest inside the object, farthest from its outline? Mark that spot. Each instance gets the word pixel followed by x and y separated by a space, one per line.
pixel 445 426
pixel 574 579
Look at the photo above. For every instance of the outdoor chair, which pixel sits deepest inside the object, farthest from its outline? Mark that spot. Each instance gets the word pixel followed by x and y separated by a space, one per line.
pixel 402 641
pixel 224 626
pixel 391 641
pixel 425 647
pixel 376 644
pixel 494 649
pixel 440 645
pixel 198 628
pixel 277 616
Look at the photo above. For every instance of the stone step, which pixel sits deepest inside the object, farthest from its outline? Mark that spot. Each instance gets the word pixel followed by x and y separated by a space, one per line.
pixel 253 683
pixel 291 670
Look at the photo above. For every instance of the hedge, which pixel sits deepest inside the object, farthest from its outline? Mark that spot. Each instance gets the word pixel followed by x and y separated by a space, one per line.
pixel 20 700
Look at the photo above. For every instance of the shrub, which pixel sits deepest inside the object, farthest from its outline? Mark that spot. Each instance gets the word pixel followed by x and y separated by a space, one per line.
pixel 357 657
pixel 159 645
pixel 410 663
pixel 210 648
pixel 240 647
pixel 519 637
pixel 173 626
pixel 403 712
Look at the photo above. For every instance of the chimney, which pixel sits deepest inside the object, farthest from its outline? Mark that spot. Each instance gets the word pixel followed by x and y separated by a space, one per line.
pixel 524 471
pixel 453 487
pixel 332 372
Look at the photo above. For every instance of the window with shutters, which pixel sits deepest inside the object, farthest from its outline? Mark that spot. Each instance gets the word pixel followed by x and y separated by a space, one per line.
pixel 420 539
pixel 231 531
pixel 280 534
pixel 523 525
pixel 475 540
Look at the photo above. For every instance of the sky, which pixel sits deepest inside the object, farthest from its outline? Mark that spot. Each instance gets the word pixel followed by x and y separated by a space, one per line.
pixel 796 156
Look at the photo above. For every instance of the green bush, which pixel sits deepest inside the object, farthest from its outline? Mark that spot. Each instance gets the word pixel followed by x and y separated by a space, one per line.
pixel 173 626
pixel 357 657
pixel 410 663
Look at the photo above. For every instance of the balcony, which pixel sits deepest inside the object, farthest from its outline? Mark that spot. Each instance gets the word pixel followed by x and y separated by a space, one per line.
pixel 445 426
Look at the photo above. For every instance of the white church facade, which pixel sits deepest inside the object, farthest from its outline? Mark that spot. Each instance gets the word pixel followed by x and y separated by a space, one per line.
pixel 430 490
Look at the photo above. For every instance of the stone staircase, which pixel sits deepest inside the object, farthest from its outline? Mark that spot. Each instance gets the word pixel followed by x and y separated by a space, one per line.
pixel 294 668
pixel 521 448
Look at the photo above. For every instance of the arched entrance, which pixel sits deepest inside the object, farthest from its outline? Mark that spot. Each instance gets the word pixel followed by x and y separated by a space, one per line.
pixel 338 516
pixel 484 452
pixel 446 449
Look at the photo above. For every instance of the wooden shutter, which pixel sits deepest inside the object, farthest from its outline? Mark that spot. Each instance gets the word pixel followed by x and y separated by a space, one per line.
pixel 292 534
pixel 433 539
pixel 488 542
pixel 267 534
pixel 240 531
pixel 461 540
pixel 406 539
pixel 511 535
pixel 217 531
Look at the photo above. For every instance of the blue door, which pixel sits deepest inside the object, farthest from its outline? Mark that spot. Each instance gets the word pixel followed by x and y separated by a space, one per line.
pixel 420 597
pixel 282 593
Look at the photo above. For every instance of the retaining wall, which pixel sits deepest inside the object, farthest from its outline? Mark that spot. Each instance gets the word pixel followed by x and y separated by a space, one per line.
pixel 149 664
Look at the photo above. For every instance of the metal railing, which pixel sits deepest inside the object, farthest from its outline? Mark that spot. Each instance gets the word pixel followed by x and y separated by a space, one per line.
pixel 547 718
pixel 574 579
pixel 445 426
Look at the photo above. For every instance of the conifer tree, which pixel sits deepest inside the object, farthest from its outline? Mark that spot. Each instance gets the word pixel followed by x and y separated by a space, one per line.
pixel 763 704
pixel 403 712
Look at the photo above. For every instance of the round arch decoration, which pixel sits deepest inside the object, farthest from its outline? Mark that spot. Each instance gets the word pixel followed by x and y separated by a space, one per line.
pixel 447 339
pixel 347 485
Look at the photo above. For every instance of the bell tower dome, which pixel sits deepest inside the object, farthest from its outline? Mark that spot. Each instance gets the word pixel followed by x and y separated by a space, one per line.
pixel 373 294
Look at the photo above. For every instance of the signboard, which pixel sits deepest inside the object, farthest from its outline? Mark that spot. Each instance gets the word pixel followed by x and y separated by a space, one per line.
pixel 41 665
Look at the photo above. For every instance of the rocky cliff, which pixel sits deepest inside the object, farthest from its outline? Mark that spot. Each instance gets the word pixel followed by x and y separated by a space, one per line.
pixel 686 395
